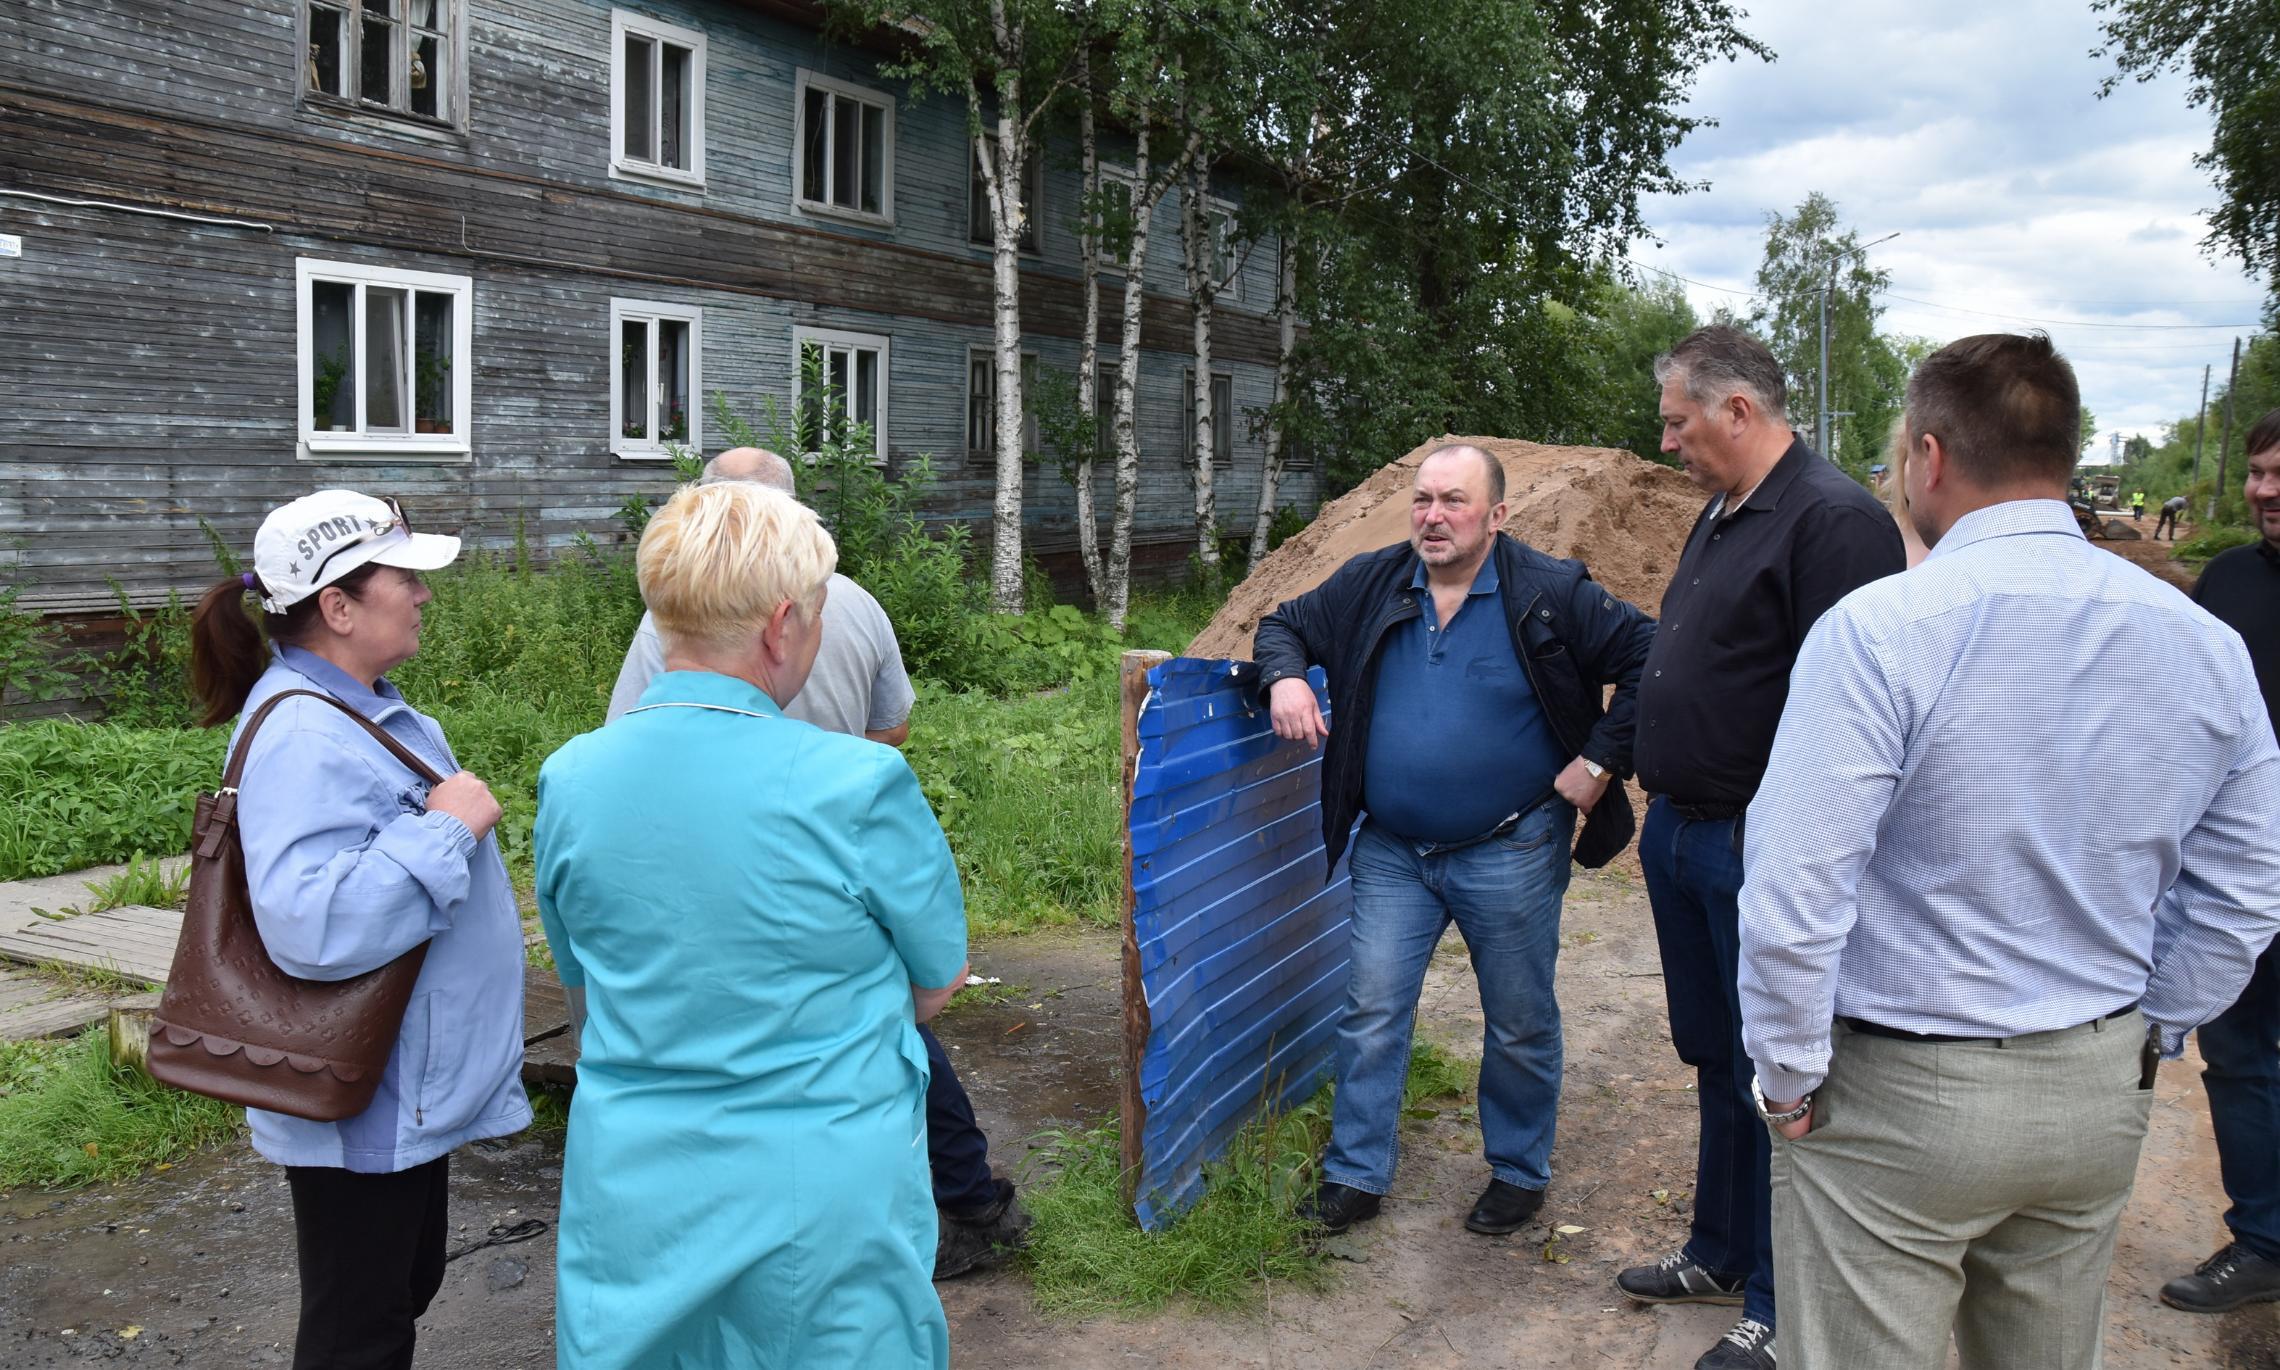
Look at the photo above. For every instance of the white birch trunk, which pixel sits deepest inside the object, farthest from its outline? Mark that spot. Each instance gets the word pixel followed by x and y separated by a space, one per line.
pixel 1118 572
pixel 1195 256
pixel 1001 180
pixel 1286 315
pixel 1088 343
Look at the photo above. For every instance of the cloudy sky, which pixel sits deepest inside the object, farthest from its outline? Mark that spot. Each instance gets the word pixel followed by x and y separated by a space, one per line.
pixel 2021 199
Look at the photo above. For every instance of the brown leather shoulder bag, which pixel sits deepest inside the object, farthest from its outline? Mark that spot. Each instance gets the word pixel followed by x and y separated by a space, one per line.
pixel 231 1025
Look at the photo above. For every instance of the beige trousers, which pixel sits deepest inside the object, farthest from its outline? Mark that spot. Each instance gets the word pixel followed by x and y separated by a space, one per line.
pixel 1968 1187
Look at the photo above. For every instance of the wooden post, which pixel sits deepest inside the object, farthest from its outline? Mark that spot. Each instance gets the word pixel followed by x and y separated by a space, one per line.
pixel 1136 1025
pixel 128 1028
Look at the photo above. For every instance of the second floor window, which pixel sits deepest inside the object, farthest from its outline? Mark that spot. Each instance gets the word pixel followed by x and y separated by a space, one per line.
pixel 980 228
pixel 845 142
pixel 657 85
pixel 400 56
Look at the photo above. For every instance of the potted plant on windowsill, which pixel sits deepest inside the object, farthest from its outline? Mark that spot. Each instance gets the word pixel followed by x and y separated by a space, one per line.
pixel 432 393
pixel 331 371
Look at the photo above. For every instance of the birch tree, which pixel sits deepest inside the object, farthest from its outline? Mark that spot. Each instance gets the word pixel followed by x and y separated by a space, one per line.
pixel 1010 59
pixel 1088 341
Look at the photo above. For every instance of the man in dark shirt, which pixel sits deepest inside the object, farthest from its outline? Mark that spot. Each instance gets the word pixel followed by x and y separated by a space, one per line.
pixel 1468 672
pixel 2241 1046
pixel 1785 536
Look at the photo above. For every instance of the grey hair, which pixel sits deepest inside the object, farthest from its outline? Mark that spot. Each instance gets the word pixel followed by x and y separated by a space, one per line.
pixel 1720 361
pixel 770 470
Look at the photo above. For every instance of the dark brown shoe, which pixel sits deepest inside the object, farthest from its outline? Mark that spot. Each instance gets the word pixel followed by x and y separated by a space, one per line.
pixel 1504 1207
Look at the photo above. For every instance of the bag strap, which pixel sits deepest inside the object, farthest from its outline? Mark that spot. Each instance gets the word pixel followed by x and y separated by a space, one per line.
pixel 236 769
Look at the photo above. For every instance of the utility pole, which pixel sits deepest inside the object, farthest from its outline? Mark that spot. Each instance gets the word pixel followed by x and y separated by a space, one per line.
pixel 2224 440
pixel 2200 430
pixel 1822 418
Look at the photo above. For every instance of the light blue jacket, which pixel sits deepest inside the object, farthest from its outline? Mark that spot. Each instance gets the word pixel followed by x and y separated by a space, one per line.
pixel 348 870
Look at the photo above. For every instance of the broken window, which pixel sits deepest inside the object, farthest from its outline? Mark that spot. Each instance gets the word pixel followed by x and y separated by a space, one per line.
pixel 396 56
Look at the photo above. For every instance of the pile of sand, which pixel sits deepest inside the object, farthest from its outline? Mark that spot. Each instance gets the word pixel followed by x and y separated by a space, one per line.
pixel 1625 518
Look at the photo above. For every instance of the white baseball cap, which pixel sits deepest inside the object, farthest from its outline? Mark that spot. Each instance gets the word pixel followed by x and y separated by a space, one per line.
pixel 312 542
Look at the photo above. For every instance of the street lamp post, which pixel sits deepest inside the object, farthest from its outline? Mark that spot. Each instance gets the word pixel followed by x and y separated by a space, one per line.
pixel 1822 416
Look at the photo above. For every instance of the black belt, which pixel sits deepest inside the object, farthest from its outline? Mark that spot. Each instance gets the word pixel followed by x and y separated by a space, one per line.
pixel 1705 813
pixel 1862 1025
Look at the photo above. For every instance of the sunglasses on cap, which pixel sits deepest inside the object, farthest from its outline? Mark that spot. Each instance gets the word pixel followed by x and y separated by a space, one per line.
pixel 396 521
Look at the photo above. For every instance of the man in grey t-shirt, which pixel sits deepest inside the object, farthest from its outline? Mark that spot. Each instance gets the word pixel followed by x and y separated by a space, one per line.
pixel 858 686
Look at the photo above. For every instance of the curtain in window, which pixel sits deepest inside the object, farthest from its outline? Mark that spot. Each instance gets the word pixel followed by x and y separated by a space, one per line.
pixel 384 361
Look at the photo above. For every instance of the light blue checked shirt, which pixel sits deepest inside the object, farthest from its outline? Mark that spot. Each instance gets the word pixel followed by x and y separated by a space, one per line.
pixel 2015 789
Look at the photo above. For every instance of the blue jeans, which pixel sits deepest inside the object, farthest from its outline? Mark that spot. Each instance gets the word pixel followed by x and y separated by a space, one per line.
pixel 1694 882
pixel 1504 895
pixel 2241 1047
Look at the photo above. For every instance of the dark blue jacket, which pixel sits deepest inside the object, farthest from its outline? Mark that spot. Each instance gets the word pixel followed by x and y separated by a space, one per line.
pixel 1575 639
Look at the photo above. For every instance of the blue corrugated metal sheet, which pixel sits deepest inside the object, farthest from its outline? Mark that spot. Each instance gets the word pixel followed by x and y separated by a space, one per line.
pixel 1242 941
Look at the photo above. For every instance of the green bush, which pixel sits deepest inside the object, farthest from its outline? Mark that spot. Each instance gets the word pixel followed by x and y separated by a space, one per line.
pixel 2221 538
pixel 34 663
pixel 82 794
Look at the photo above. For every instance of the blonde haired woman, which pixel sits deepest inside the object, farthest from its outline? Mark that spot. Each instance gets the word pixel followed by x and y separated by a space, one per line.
pixel 757 912
pixel 1892 488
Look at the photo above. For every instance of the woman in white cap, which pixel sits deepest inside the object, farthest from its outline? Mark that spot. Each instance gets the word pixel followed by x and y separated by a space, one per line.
pixel 352 861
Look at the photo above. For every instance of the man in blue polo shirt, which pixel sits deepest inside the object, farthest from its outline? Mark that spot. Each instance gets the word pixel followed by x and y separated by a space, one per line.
pixel 1468 671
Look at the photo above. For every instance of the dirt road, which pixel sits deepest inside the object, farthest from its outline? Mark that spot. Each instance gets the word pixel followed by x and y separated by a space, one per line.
pixel 193 1267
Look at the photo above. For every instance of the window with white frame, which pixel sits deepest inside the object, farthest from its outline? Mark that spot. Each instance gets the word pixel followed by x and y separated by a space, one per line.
pixel 979 228
pixel 1222 417
pixel 844 140
pixel 383 357
pixel 656 377
pixel 1119 189
pixel 981 404
pixel 397 56
pixel 1219 226
pixel 840 385
pixel 657 99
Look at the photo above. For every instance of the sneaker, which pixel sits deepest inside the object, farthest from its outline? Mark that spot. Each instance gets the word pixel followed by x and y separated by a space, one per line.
pixel 2232 1277
pixel 1504 1207
pixel 1748 1347
pixel 1339 1206
pixel 980 1239
pixel 1676 1279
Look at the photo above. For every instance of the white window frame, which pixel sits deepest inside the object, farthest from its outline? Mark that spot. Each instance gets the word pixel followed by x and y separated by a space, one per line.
pixel 455 445
pixel 1218 416
pixel 1031 443
pixel 623 167
pixel 1219 226
pixel 835 337
pixel 653 312
pixel 1110 261
pixel 844 90
pixel 451 96
pixel 982 233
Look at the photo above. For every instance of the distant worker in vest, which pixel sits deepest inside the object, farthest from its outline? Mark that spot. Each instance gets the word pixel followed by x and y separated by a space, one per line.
pixel 2241 1046
pixel 1784 535
pixel 1467 672
pixel 2137 506
pixel 858 686
pixel 2172 512
pixel 1971 927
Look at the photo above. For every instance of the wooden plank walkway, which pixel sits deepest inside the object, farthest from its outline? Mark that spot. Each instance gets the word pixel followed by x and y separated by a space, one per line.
pixel 550 1048
pixel 133 941
pixel 31 1007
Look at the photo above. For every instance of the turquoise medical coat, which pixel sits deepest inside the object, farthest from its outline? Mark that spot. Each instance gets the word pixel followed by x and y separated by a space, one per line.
pixel 747 900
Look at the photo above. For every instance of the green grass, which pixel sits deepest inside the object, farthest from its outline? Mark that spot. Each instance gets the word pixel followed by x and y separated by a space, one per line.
pixel 145 883
pixel 82 794
pixel 2222 538
pixel 1087 1256
pixel 68 1119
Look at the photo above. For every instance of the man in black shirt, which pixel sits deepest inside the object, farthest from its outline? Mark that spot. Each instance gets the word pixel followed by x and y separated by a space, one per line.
pixel 1785 536
pixel 2241 1046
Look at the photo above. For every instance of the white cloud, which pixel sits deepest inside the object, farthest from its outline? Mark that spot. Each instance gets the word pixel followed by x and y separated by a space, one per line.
pixel 1975 132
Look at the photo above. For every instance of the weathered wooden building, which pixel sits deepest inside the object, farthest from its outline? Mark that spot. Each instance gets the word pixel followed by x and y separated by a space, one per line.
pixel 492 256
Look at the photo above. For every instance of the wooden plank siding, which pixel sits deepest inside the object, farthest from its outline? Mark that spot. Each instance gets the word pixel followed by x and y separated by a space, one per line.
pixel 147 364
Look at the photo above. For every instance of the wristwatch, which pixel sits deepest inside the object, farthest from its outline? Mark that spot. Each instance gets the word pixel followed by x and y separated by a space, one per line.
pixel 1594 769
pixel 1757 1092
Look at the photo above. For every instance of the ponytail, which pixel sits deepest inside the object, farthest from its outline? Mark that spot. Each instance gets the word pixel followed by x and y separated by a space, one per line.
pixel 228 652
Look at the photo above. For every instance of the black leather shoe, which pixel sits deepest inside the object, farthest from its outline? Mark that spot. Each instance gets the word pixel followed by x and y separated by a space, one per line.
pixel 1504 1207
pixel 1337 1207
pixel 2232 1277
